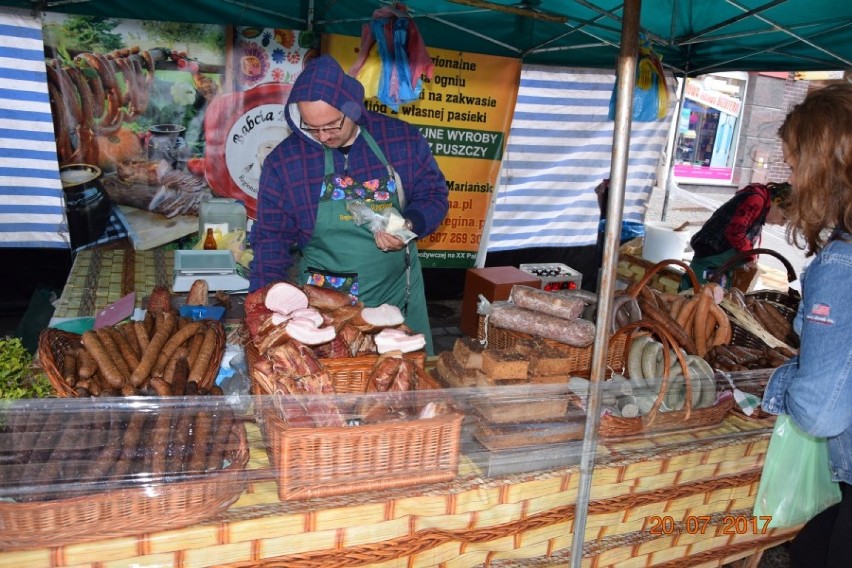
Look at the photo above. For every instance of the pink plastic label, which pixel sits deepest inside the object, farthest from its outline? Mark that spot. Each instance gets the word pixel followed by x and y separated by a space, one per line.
pixel 117 311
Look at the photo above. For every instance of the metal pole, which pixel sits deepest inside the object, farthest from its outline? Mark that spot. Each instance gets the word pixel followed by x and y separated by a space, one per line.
pixel 626 73
pixel 669 165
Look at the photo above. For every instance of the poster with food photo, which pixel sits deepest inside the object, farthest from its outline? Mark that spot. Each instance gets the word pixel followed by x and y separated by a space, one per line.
pixel 128 98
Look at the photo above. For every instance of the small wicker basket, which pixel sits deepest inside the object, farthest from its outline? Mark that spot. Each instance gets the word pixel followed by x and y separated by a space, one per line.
pixel 111 514
pixel 580 358
pixel 746 331
pixel 656 421
pixel 54 343
pixel 320 462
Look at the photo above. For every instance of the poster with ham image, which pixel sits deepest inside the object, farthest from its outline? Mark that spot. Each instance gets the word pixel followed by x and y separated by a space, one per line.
pixel 155 106
pixel 129 96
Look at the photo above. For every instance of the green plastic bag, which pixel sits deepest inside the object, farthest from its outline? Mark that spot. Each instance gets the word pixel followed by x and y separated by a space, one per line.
pixel 796 482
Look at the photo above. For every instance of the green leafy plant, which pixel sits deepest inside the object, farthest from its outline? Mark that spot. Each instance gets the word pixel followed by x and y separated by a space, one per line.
pixel 19 378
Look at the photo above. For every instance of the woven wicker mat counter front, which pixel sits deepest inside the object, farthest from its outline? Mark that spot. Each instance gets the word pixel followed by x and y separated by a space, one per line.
pixel 674 500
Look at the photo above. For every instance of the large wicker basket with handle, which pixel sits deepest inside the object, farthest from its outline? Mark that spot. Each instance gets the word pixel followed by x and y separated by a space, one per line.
pixel 579 358
pixel 656 420
pixel 743 256
pixel 314 462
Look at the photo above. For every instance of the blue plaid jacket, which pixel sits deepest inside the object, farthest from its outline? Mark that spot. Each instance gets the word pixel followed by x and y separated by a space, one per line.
pixel 292 173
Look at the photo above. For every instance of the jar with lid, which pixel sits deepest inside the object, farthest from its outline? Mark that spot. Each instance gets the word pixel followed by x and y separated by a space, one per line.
pixel 87 205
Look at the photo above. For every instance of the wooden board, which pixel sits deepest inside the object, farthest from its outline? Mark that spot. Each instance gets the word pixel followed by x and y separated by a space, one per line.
pixel 149 230
pixel 499 437
pixel 522 411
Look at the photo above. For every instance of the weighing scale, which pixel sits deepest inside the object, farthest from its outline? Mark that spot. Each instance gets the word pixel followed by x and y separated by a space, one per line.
pixel 217 267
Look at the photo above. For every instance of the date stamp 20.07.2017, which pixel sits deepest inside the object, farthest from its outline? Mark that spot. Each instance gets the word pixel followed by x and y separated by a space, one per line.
pixel 701 524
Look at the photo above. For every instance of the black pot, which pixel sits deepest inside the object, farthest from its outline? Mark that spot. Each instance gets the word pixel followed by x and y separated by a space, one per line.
pixel 87 205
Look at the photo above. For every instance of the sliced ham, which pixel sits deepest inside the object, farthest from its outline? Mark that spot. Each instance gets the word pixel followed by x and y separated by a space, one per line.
pixel 305 313
pixel 371 319
pixel 283 297
pixel 391 340
pixel 278 319
pixel 306 331
pixel 308 313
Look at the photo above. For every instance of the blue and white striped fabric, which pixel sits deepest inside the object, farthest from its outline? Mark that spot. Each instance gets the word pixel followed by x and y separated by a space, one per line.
pixel 559 149
pixel 32 205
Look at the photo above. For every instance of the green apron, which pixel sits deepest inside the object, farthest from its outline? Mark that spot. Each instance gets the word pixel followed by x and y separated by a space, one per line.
pixel 344 256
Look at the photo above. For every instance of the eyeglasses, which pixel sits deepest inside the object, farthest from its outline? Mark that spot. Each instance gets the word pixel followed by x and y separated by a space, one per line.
pixel 326 129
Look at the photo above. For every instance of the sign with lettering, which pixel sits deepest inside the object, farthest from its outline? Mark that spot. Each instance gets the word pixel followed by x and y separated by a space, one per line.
pixel 711 98
pixel 242 128
pixel 464 112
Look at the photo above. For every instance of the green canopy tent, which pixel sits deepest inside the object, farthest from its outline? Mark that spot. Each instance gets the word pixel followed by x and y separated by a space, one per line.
pixel 693 36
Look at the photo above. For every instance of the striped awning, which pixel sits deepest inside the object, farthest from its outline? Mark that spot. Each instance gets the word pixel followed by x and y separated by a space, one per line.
pixel 559 149
pixel 32 205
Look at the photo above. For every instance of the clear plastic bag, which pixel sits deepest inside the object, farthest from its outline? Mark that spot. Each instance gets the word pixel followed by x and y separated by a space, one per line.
pixel 796 482
pixel 389 220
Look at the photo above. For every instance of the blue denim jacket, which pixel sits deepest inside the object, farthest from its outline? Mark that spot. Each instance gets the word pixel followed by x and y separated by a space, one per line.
pixel 815 388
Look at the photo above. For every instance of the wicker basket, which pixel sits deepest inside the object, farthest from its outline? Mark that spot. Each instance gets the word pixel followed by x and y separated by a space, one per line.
pixel 580 357
pixel 54 343
pixel 349 375
pixel 746 331
pixel 788 300
pixel 743 256
pixel 123 512
pixel 656 421
pixel 321 462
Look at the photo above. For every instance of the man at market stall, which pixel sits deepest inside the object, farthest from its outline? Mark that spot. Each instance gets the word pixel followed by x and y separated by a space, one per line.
pixel 338 153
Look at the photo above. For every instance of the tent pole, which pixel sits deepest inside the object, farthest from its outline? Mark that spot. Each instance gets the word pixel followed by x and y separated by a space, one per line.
pixel 669 165
pixel 482 251
pixel 626 74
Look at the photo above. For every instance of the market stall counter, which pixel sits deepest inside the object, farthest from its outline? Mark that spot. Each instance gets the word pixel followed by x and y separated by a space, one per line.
pixel 374 459
pixel 675 499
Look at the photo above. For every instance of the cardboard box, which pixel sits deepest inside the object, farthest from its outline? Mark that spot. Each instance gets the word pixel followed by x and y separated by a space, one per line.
pixel 494 284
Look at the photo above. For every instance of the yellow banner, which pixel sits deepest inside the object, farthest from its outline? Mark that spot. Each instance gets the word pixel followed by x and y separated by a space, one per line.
pixel 464 112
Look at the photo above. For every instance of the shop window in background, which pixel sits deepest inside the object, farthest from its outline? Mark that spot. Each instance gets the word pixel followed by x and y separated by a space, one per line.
pixel 705 144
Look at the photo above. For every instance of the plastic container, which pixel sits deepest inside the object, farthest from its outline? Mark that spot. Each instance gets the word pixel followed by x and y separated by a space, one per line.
pixel 554 275
pixel 223 213
pixel 662 242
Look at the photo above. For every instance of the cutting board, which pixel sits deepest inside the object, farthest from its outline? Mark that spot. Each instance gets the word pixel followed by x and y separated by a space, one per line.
pixel 149 230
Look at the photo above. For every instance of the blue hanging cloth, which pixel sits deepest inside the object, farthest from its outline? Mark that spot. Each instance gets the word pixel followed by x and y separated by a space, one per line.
pixel 403 56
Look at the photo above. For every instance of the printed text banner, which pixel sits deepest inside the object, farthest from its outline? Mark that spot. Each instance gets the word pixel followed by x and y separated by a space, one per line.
pixel 464 112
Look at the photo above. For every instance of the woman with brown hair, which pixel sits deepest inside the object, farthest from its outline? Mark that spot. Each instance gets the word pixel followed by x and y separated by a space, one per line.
pixel 815 387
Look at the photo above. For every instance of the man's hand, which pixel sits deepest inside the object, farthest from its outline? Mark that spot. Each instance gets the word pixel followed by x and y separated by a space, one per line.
pixel 388 242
